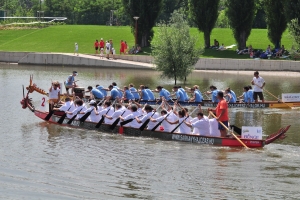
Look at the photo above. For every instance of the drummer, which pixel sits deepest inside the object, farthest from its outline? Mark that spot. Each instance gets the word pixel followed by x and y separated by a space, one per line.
pixel 54 94
pixel 70 82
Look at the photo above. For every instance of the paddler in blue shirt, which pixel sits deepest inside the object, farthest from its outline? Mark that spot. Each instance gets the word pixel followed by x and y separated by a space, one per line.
pixel 179 95
pixel 214 92
pixel 162 93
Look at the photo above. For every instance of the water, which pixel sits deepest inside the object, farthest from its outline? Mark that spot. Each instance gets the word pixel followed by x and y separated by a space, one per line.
pixel 45 161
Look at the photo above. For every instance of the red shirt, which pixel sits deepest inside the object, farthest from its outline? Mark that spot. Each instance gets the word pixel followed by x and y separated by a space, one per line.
pixel 101 44
pixel 96 44
pixel 122 46
pixel 222 105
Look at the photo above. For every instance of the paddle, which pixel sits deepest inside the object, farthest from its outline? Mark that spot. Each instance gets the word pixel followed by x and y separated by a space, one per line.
pixel 183 120
pixel 52 111
pixel 238 139
pixel 49 115
pixel 102 118
pixel 72 119
pixel 148 120
pixel 86 115
pixel 62 118
pixel 116 122
pixel 155 127
pixel 129 120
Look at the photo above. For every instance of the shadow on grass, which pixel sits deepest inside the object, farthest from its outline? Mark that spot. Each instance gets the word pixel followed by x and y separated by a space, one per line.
pixel 212 53
pixel 208 53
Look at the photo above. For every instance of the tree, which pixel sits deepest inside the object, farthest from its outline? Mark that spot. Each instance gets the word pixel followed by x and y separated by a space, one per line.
pixel 205 15
pixel 294 31
pixel 174 48
pixel 276 21
pixel 260 17
pixel 147 11
pixel 169 6
pixel 291 9
pixel 240 15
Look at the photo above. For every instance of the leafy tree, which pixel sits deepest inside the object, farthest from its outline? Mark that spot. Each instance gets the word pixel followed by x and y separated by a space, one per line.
pixel 205 15
pixel 275 20
pixel 222 21
pixel 294 31
pixel 291 9
pixel 240 15
pixel 169 6
pixel 174 48
pixel 260 17
pixel 147 11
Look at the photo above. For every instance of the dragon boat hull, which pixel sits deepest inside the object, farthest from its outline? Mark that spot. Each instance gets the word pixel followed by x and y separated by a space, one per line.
pixel 192 138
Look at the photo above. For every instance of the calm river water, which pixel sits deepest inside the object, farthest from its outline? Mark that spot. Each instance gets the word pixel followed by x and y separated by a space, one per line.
pixel 44 161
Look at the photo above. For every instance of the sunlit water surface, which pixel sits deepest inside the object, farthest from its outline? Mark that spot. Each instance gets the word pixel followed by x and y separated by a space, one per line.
pixel 44 161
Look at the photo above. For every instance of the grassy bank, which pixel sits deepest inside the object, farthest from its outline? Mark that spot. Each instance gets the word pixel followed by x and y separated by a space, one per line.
pixel 62 39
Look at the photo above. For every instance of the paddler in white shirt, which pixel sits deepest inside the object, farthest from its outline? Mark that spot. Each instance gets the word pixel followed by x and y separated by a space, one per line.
pixel 119 111
pixel 93 109
pixel 67 106
pixel 107 110
pixel 134 113
pixel 80 107
pixel 183 128
pixel 201 125
pixel 150 112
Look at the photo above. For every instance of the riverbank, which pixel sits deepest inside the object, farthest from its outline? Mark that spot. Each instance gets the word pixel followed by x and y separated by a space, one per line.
pixel 144 62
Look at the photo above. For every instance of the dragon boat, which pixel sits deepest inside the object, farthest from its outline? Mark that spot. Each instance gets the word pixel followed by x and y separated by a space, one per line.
pixel 26 102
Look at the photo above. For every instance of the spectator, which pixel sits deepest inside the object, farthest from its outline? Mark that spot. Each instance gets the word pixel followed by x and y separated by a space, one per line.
pixel 76 49
pixel 280 52
pixel 107 45
pixel 216 44
pixel 101 46
pixel 221 48
pixel 122 49
pixel 96 45
pixel 268 50
pixel 126 48
pixel 111 48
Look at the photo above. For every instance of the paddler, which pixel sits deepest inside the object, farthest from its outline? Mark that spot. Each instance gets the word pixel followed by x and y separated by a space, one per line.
pixel 178 93
pixel 162 93
pixel 150 112
pixel 200 125
pixel 183 128
pixel 213 91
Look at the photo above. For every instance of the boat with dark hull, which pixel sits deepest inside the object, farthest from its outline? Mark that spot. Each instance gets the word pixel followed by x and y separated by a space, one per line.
pixel 208 103
pixel 192 138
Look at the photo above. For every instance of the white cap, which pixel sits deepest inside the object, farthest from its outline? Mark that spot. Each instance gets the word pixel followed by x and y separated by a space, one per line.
pixel 92 102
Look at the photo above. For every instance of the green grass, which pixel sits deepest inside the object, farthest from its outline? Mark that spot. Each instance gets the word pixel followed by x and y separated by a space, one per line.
pixel 62 39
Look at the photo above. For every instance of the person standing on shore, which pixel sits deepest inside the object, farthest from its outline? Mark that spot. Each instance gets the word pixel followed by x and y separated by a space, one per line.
pixel 122 49
pixel 76 49
pixel 259 83
pixel 111 48
pixel 221 113
pixel 96 45
pixel 126 47
pixel 107 45
pixel 101 46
